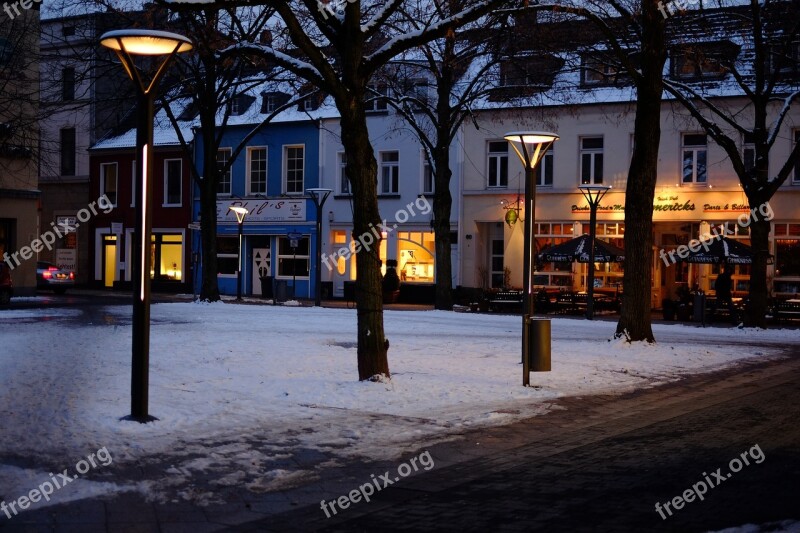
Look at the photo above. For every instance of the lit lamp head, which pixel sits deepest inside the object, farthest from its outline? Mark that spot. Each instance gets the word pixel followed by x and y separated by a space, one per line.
pixel 594 193
pixel 240 212
pixel 128 43
pixel 531 145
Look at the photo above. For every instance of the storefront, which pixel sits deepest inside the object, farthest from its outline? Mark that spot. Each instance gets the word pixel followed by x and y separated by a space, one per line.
pixel 680 215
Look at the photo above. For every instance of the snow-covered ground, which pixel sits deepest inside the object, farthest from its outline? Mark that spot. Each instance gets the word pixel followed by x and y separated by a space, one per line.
pixel 224 377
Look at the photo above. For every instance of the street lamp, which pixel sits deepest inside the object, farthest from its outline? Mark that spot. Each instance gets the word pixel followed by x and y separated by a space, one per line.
pixel 128 44
pixel 593 195
pixel 530 147
pixel 318 196
pixel 240 213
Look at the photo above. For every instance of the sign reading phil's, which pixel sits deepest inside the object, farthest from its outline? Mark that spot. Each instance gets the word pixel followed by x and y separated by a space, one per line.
pixel 279 210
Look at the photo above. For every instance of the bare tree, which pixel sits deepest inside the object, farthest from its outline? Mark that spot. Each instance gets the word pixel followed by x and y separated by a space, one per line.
pixel 338 48
pixel 764 74
pixel 456 66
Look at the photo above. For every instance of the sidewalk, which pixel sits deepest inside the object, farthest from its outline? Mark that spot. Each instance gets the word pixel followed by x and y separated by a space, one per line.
pixel 572 423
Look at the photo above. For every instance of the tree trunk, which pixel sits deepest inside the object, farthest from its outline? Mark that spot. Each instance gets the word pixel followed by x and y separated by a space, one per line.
pixel 442 207
pixel 634 321
pixel 209 288
pixel 756 312
pixel 362 170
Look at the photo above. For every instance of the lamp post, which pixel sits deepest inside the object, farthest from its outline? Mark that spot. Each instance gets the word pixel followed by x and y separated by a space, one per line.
pixel 129 44
pixel 530 146
pixel 240 213
pixel 593 195
pixel 318 196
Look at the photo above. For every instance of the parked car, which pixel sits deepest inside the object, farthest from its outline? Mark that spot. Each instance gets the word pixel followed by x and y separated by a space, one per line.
pixel 6 287
pixel 49 276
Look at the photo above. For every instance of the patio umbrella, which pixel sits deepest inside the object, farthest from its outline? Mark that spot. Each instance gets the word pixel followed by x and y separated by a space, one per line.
pixel 578 249
pixel 718 250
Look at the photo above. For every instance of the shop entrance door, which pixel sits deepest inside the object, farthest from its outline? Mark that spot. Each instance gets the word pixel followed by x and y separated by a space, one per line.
pixel 109 260
pixel 262 266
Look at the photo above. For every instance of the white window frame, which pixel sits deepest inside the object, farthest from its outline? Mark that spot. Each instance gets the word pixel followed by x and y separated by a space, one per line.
pixel 280 256
pixel 250 150
pixel 394 173
pixel 133 183
pixel 103 167
pixel 495 159
pixel 696 150
pixel 796 172
pixel 547 163
pixel 228 173
pixel 166 183
pixel 341 175
pixel 593 154
pixel 427 176
pixel 285 170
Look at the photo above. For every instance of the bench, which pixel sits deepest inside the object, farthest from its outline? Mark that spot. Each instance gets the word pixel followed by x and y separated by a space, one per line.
pixel 787 311
pixel 505 300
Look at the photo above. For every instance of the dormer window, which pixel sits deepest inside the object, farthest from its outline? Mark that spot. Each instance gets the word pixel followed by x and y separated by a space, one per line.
pixel 271 102
pixel 239 104
pixel 375 103
pixel 784 59
pixel 601 71
pixel 703 61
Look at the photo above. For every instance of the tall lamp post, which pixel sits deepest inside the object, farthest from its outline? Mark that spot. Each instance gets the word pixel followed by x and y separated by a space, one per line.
pixel 162 46
pixel 318 196
pixel 593 195
pixel 530 147
pixel 240 213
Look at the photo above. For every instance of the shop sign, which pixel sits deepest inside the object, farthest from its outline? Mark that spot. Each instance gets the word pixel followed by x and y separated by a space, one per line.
pixel 713 208
pixel 279 210
pixel 672 203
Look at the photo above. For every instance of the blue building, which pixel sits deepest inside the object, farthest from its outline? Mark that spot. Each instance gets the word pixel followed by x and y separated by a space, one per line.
pixel 269 178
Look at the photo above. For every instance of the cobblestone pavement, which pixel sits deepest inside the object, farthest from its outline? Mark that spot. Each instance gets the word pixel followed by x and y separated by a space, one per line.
pixel 603 463
pixel 596 463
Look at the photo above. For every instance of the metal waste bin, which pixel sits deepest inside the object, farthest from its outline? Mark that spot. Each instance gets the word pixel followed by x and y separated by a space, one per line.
pixel 539 344
pixel 699 309
pixel 281 290
pixel 266 287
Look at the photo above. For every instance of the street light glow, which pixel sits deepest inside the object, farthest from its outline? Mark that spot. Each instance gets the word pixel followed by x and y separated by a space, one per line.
pixel 145 42
pixel 240 212
pixel 530 145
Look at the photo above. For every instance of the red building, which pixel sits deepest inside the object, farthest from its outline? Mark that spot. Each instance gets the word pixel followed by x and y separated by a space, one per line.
pixel 112 173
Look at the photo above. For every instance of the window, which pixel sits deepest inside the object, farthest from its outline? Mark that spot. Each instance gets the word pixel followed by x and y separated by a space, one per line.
pixel 68 31
pixel 498 164
pixel 390 172
pixel 344 181
pixel 748 152
pixel 704 61
pixel 427 175
pixel 308 104
pixel 223 157
pixel 544 170
pixel 416 257
pixel 373 103
pixel 269 104
pixel 167 254
pixel 784 59
pixel 68 84
pixel 68 152
pixel 294 164
pixel 796 177
pixel 591 160
pixel 596 72
pixel 227 255
pixel 108 182
pixel 257 170
pixel 134 179
pixel 172 182
pixel 293 262
pixel 694 149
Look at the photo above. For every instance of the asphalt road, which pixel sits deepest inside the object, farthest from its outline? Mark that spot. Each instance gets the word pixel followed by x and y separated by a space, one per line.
pixel 602 464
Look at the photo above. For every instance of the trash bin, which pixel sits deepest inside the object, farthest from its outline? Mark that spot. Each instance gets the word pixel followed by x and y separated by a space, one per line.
pixel 539 344
pixel 281 290
pixel 699 311
pixel 266 287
